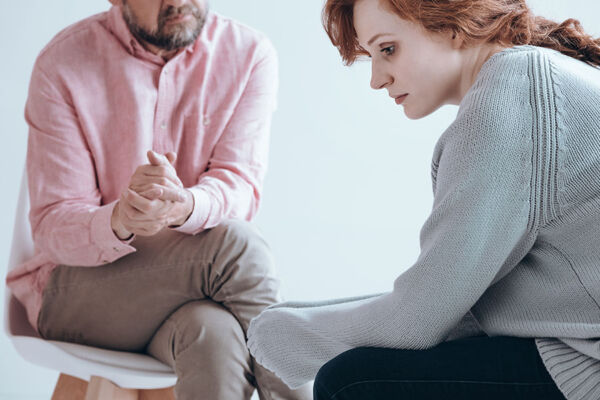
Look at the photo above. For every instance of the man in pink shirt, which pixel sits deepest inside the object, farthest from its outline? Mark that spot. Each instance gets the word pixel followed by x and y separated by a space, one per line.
pixel 148 145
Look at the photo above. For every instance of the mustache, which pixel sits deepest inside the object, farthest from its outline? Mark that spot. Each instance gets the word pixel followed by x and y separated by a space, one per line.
pixel 187 9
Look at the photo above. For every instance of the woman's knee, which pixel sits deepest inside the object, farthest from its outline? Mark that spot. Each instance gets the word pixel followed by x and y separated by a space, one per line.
pixel 338 373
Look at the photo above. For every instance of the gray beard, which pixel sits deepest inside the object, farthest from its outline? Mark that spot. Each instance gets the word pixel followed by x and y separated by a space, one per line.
pixel 179 36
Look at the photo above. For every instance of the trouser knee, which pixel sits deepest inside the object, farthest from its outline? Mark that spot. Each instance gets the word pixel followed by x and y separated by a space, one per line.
pixel 240 237
pixel 202 329
pixel 242 253
pixel 211 329
pixel 337 373
pixel 205 345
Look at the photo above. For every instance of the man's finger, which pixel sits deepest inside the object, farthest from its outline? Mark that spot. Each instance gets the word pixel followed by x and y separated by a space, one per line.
pixel 138 202
pixel 156 158
pixel 163 169
pixel 149 208
pixel 165 194
pixel 141 183
pixel 146 174
pixel 172 157
pixel 132 213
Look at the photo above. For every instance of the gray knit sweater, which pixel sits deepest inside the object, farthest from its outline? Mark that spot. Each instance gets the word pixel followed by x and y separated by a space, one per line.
pixel 512 242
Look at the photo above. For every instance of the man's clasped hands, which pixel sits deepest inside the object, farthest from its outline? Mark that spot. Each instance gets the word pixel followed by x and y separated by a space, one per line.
pixel 154 199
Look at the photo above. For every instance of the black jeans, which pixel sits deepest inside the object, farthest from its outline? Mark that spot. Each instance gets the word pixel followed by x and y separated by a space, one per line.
pixel 482 367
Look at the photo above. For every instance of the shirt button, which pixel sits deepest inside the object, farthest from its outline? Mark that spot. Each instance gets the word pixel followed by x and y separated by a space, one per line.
pixel 116 249
pixel 166 71
pixel 163 125
pixel 206 121
pixel 105 261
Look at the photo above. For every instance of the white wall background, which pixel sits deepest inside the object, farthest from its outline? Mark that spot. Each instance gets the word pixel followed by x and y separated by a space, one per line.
pixel 348 187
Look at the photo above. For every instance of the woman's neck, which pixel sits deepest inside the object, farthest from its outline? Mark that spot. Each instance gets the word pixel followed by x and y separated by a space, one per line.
pixel 474 58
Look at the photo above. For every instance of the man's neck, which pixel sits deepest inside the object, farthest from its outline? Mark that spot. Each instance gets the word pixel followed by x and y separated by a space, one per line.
pixel 165 54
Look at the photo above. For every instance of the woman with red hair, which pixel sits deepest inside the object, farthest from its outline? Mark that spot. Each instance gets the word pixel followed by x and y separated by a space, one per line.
pixel 504 299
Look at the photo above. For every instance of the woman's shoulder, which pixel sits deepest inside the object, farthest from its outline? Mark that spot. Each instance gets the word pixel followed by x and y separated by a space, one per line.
pixel 522 59
pixel 502 85
pixel 511 88
pixel 527 83
pixel 505 75
pixel 499 102
pixel 496 113
pixel 530 71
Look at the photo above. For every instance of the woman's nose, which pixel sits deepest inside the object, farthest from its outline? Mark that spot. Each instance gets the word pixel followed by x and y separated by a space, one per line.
pixel 379 78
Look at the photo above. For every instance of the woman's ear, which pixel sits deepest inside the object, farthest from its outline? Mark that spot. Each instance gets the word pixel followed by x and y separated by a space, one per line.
pixel 457 40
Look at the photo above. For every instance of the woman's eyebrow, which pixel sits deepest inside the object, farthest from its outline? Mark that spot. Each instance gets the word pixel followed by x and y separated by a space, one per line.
pixel 374 38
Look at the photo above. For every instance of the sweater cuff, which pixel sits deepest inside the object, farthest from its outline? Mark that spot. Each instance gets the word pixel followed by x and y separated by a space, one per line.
pixel 197 220
pixel 110 246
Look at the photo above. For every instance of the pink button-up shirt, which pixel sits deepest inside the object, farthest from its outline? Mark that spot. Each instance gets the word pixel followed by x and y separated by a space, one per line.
pixel 98 101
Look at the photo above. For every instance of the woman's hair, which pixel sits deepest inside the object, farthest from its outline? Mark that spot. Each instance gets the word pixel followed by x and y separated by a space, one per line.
pixel 505 22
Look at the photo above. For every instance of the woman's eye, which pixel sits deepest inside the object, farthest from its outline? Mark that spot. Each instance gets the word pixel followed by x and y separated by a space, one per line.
pixel 388 51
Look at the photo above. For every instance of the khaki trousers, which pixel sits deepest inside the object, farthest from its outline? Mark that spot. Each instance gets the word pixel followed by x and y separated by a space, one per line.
pixel 186 300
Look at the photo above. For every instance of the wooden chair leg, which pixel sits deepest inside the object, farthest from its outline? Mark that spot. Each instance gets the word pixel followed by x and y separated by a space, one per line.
pixel 69 388
pixel 103 389
pixel 157 394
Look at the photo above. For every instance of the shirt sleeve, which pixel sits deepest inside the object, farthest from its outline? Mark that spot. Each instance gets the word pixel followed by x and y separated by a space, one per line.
pixel 70 225
pixel 232 185
pixel 480 215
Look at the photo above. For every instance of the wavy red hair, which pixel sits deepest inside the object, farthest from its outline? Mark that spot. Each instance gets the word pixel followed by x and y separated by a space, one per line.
pixel 505 22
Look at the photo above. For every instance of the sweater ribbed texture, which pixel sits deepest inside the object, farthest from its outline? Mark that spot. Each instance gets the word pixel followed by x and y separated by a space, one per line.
pixel 512 245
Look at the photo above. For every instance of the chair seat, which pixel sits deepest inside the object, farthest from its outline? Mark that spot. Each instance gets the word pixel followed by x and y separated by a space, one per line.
pixel 127 370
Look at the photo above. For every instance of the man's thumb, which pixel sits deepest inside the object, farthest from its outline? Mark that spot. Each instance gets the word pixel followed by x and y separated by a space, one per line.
pixel 156 159
pixel 172 157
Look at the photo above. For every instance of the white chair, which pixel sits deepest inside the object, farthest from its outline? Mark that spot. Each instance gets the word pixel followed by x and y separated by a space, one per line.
pixel 111 375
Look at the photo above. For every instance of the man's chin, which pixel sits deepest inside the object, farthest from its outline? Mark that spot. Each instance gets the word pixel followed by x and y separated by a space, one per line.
pixel 182 34
pixel 185 37
pixel 174 27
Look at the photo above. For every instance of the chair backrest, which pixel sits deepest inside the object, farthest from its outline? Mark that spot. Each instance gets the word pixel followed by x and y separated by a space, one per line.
pixel 15 317
pixel 128 370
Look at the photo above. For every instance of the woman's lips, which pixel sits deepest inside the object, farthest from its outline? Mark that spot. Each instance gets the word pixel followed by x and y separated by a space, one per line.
pixel 400 99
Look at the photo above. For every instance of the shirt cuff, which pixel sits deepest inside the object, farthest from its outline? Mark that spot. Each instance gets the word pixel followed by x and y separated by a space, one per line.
pixel 197 220
pixel 110 246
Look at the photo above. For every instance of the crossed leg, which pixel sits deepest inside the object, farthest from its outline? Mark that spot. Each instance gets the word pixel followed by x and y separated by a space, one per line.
pixel 187 300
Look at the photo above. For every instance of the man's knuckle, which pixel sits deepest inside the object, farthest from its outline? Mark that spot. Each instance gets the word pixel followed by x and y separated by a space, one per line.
pixel 161 181
pixel 128 213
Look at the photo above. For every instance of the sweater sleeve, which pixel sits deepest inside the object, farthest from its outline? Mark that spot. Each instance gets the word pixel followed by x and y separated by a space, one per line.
pixel 232 185
pixel 480 215
pixel 70 225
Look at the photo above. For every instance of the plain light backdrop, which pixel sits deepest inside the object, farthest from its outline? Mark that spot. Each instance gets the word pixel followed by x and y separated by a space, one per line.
pixel 348 186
